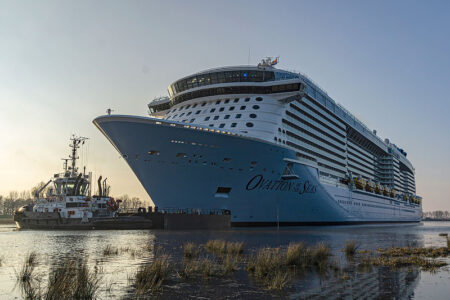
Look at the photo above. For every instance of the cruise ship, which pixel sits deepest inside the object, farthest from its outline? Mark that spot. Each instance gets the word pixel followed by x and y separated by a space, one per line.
pixel 269 146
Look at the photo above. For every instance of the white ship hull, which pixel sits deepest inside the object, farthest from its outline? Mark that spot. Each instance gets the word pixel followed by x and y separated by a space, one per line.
pixel 183 166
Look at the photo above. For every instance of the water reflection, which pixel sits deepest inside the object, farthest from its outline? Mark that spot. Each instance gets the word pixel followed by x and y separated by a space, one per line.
pixel 137 247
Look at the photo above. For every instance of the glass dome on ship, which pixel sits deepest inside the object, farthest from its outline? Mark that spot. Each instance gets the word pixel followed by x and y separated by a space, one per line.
pixel 267 144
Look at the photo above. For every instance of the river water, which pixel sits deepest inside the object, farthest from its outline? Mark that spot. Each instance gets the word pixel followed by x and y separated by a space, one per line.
pixel 53 247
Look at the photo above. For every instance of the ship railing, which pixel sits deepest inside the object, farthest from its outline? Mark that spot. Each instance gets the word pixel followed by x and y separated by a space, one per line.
pixel 172 210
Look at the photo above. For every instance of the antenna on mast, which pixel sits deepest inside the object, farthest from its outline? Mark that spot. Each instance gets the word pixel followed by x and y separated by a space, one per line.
pixel 76 141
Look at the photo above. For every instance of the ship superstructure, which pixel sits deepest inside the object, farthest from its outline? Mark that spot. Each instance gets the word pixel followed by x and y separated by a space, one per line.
pixel 267 144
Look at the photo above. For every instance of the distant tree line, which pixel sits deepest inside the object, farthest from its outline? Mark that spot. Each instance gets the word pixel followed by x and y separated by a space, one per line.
pixel 15 200
pixel 437 215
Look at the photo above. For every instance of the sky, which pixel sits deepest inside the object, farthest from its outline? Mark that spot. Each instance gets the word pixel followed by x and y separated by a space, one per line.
pixel 63 63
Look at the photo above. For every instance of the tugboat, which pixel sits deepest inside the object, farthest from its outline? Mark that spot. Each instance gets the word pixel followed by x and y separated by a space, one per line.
pixel 68 203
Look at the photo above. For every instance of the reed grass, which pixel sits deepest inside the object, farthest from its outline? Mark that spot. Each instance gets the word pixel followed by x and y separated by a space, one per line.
pixel 230 264
pixel 221 247
pixel 278 281
pixel 408 251
pixel 27 279
pixel 200 267
pixel 72 280
pixel 190 250
pixel 110 250
pixel 350 249
pixel 150 277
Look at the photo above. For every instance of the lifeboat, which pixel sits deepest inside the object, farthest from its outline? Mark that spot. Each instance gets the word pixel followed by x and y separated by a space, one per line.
pixel 369 186
pixel 377 189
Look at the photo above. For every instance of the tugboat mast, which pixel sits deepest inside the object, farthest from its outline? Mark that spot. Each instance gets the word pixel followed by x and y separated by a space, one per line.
pixel 76 141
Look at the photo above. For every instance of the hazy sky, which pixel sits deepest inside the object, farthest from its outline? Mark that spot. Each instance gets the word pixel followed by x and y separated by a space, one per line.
pixel 62 63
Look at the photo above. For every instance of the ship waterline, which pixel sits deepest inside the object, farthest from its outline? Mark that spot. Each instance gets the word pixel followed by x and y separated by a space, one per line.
pixel 268 145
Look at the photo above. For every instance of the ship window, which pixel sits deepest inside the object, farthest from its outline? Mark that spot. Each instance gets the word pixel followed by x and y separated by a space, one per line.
pixel 236 100
pixel 275 138
pixel 247 99
pixel 181 155
pixel 184 120
pixel 223 192
pixel 227 100
pixel 226 117
pixel 253 163
pixel 188 113
pixel 212 110
pixel 181 115
pixel 211 125
pixel 207 118
pixel 255 106
pixel 233 124
pixel 249 124
pixel 197 112
pixel 279 129
pixel 242 107
pixel 238 116
pixel 192 120
pixel 227 159
pixel 188 106
pixel 216 117
pixel 204 103
pixel 221 109
pixel 218 102
pixel 252 116
pixel 222 125
pixel 231 108
pixel 258 99
pixel 153 152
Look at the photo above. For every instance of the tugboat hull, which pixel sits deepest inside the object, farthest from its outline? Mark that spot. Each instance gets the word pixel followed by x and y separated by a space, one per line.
pixel 52 220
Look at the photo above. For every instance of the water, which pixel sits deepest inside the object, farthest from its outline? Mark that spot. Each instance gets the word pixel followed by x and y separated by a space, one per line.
pixel 53 247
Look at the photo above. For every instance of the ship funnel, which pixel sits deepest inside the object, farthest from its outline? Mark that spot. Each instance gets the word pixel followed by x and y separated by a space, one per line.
pixel 100 186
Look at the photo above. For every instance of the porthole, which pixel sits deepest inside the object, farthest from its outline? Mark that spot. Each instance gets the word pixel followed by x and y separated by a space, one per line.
pixel 211 125
pixel 197 112
pixel 204 103
pixel 226 117
pixel 207 118
pixel 188 113
pixel 218 102
pixel 258 99
pixel 236 100
pixel 231 108
pixel 249 124
pixel 238 116
pixel 192 120
pixel 252 116
pixel 227 100
pixel 212 110
pixel 242 107
pixel 222 125
pixel 255 106
pixel 247 99
pixel 216 117
pixel 279 129
pixel 233 124
pixel 221 109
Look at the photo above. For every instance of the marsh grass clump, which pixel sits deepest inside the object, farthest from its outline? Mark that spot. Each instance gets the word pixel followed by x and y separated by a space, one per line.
pixel 350 249
pixel 299 255
pixel 110 250
pixel 278 281
pixel 216 246
pixel 190 250
pixel 321 254
pixel 150 277
pixel 398 262
pixel 266 262
pixel 200 267
pixel 220 247
pixel 26 277
pixel 230 264
pixel 235 248
pixel 72 280
pixel 409 251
